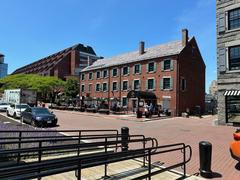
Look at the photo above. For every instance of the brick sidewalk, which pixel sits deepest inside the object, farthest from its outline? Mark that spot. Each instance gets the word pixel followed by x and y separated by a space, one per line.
pixel 174 130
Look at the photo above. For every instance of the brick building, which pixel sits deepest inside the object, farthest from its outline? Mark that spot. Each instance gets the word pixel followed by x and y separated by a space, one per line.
pixel 228 61
pixel 68 62
pixel 174 72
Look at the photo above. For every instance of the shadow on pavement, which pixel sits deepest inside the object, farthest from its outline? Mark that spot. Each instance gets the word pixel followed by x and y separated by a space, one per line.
pixel 237 166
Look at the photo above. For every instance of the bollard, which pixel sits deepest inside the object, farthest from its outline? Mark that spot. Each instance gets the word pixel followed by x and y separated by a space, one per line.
pixel 205 156
pixel 125 136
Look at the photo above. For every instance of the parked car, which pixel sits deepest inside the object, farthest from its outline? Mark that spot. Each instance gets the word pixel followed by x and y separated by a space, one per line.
pixel 15 110
pixel 4 106
pixel 39 117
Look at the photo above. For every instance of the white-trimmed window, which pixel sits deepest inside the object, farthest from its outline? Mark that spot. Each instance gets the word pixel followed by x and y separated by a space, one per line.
pixel 82 77
pixel 83 88
pixel 166 83
pixel 114 86
pixel 125 70
pixel 150 84
pixel 98 74
pixel 98 87
pixel 89 87
pixel 137 69
pixel 151 67
pixel 234 58
pixel 114 72
pixel 234 19
pixel 105 73
pixel 90 76
pixel 105 87
pixel 125 85
pixel 136 84
pixel 124 101
pixel 167 65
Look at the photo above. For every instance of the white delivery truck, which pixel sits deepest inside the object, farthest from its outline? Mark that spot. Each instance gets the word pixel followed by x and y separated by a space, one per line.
pixel 20 96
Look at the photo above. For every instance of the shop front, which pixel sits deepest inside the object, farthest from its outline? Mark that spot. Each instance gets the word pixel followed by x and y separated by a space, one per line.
pixel 232 100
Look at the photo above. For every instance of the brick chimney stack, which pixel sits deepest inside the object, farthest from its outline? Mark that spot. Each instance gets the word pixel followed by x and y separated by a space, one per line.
pixel 184 37
pixel 141 47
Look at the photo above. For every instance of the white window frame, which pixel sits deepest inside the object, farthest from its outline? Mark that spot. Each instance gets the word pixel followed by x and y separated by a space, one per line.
pixel 106 86
pixel 164 65
pixel 227 46
pixel 82 76
pixel 227 9
pixel 167 77
pixel 123 70
pixel 83 85
pixel 88 87
pixel 89 76
pixel 153 82
pixel 139 68
pixel 154 64
pixel 96 87
pixel 103 73
pixel 127 85
pixel 116 87
pixel 100 74
pixel 139 84
pixel 112 72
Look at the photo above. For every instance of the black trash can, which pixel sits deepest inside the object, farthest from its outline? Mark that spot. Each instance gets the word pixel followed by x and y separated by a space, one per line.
pixel 125 137
pixel 205 157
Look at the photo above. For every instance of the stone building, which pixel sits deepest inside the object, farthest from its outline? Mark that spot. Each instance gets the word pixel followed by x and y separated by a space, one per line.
pixel 174 72
pixel 213 88
pixel 65 63
pixel 3 66
pixel 228 61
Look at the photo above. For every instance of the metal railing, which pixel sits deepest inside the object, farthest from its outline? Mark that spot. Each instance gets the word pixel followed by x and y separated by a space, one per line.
pixel 108 143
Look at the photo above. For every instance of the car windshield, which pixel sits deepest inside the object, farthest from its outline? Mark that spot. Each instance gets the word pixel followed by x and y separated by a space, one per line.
pixel 22 106
pixel 41 111
pixel 3 104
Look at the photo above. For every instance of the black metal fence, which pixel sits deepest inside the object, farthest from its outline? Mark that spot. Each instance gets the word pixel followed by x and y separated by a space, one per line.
pixel 89 148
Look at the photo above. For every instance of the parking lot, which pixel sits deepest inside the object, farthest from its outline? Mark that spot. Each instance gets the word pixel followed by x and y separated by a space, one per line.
pixel 172 130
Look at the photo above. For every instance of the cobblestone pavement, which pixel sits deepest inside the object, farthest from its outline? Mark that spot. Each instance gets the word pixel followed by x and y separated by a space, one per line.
pixel 173 130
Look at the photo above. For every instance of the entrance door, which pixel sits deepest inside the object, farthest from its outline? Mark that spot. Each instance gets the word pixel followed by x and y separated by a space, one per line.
pixel 166 103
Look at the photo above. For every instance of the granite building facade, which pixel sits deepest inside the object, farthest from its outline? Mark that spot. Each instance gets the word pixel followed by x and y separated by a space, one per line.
pixel 228 61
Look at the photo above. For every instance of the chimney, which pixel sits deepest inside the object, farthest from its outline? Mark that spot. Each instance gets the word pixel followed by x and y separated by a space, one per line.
pixel 141 47
pixel 184 37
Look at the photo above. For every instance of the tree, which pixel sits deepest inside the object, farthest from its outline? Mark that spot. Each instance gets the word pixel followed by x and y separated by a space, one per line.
pixel 45 85
pixel 71 88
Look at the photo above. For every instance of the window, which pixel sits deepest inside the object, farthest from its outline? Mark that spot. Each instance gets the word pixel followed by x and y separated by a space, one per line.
pixel 124 101
pixel 150 84
pixel 166 83
pixel 105 73
pixel 98 74
pixel 183 84
pixel 125 70
pixel 90 87
pixel 233 109
pixel 83 88
pixel 137 69
pixel 167 64
pixel 136 84
pixel 234 19
pixel 151 67
pixel 90 76
pixel 105 88
pixel 82 76
pixel 125 85
pixel 114 72
pixel 98 87
pixel 114 86
pixel 234 58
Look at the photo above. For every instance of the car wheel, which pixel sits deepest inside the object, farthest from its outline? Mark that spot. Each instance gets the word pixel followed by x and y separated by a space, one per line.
pixel 7 114
pixel 14 116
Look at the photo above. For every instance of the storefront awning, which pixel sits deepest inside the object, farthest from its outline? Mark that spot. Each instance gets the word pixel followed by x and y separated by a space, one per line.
pixel 142 95
pixel 232 93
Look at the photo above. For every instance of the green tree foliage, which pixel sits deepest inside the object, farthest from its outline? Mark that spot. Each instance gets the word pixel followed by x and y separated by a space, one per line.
pixel 42 84
pixel 71 88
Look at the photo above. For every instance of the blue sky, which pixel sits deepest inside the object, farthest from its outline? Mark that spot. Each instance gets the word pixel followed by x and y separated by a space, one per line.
pixel 30 30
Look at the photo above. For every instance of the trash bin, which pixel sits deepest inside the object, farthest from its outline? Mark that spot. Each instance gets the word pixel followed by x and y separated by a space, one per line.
pixel 205 157
pixel 139 114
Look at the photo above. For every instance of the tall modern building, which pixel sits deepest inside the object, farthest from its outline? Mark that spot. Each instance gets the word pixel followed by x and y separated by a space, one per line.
pixel 3 66
pixel 65 63
pixel 228 61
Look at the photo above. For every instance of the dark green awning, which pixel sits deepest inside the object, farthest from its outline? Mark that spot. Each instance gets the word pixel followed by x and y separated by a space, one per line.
pixel 142 95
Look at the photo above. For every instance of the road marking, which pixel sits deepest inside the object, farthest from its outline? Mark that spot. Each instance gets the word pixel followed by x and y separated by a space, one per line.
pixel 6 122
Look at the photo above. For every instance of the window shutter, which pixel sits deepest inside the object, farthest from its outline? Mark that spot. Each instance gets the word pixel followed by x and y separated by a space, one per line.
pixel 161 84
pixel 146 85
pixel 140 68
pixel 153 84
pixel 155 67
pixel 222 59
pixel 221 22
pixel 140 85
pixel 171 83
pixel 128 70
pixel 147 65
pixel 171 65
pixel 162 65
